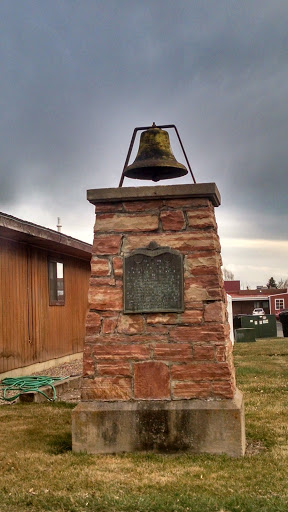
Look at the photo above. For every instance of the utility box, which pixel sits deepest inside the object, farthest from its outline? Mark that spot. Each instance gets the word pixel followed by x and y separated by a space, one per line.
pixel 244 335
pixel 265 326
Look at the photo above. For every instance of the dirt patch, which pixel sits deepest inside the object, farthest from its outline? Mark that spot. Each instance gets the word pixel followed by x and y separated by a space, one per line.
pixel 254 448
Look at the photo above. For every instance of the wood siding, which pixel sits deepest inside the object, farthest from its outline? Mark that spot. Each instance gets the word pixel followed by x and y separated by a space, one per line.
pixel 273 299
pixel 31 330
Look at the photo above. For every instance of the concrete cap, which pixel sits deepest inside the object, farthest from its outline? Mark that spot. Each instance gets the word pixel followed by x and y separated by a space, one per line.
pixel 197 190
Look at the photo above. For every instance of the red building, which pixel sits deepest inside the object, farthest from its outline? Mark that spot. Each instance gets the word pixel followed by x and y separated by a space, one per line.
pixel 244 301
pixel 278 302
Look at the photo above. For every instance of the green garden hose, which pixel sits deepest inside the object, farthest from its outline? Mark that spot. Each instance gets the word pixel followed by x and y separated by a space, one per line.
pixel 27 385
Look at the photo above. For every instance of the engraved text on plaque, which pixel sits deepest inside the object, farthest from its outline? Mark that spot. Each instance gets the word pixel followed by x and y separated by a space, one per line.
pixel 153 280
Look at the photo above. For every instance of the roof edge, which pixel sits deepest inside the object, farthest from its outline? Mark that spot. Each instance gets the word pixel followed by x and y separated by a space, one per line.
pixel 13 225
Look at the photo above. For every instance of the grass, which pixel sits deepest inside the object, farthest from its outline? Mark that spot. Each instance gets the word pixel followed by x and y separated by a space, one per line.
pixel 41 473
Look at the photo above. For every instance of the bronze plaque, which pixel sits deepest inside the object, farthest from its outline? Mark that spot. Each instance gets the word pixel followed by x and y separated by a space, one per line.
pixel 153 280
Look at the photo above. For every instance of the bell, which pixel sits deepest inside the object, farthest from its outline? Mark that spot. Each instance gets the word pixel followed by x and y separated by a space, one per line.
pixel 155 160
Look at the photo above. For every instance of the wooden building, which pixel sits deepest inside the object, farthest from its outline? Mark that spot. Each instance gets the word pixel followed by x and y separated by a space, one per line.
pixel 44 279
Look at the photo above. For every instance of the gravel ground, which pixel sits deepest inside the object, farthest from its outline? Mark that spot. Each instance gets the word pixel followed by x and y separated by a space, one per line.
pixel 64 370
pixel 72 369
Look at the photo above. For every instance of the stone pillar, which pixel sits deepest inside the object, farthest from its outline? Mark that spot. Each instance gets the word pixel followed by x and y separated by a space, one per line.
pixel 161 381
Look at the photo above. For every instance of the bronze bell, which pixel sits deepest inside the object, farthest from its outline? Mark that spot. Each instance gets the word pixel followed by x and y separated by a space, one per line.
pixel 155 160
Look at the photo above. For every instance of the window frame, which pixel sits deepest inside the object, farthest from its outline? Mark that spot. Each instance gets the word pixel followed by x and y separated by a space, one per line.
pixel 278 301
pixel 60 300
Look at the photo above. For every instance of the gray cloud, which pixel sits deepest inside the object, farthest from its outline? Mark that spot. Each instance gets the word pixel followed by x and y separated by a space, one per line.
pixel 77 77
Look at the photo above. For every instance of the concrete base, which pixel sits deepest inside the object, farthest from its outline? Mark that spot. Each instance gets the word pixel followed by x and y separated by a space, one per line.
pixel 195 426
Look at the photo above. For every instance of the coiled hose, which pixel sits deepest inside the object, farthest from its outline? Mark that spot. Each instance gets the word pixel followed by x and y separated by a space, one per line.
pixel 27 385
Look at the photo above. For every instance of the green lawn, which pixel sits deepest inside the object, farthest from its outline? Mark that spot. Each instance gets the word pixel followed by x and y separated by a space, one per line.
pixel 40 472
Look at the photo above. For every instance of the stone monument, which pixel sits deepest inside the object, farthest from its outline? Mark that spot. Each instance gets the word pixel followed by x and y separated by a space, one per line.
pixel 158 364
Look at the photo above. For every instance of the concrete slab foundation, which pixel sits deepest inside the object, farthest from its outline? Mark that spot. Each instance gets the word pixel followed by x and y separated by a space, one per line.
pixel 195 426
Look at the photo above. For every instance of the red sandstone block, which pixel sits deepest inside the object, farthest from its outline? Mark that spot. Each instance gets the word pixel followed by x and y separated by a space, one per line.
pixel 93 323
pixel 203 352
pixel 90 338
pixel 195 305
pixel 223 389
pixel 162 318
pixel 118 266
pixel 229 348
pixel 157 329
pixel 200 271
pixel 88 367
pixel 215 312
pixel 114 369
pixel 172 220
pixel 126 222
pixel 204 259
pixel 140 206
pixel 106 245
pixel 148 338
pixel 108 207
pixel 197 293
pixel 191 390
pixel 183 333
pixel 191 317
pixel 201 218
pixel 151 381
pixel 99 281
pixel 216 294
pixel 121 352
pixel 187 203
pixel 108 314
pixel 173 352
pixel 106 388
pixel 194 294
pixel 201 282
pixel 205 281
pixel 114 338
pixel 139 339
pixel 100 267
pixel 184 242
pixel 130 324
pixel 205 332
pixel 201 371
pixel 87 350
pixel 109 325
pixel 106 298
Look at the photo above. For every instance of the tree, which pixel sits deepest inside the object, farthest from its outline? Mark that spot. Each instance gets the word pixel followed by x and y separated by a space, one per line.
pixel 283 283
pixel 227 274
pixel 271 283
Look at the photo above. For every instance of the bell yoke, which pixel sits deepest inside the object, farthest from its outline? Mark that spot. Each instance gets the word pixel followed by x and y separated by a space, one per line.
pixel 155 160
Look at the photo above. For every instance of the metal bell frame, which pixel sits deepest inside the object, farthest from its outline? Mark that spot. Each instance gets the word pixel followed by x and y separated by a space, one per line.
pixel 142 128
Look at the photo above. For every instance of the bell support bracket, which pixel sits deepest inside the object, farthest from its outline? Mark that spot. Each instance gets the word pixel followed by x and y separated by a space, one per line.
pixel 147 128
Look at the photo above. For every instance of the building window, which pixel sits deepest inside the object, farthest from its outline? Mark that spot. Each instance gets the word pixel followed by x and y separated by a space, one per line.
pixel 56 283
pixel 279 304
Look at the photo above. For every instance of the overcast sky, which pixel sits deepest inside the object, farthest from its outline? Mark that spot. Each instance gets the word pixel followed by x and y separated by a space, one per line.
pixel 77 76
